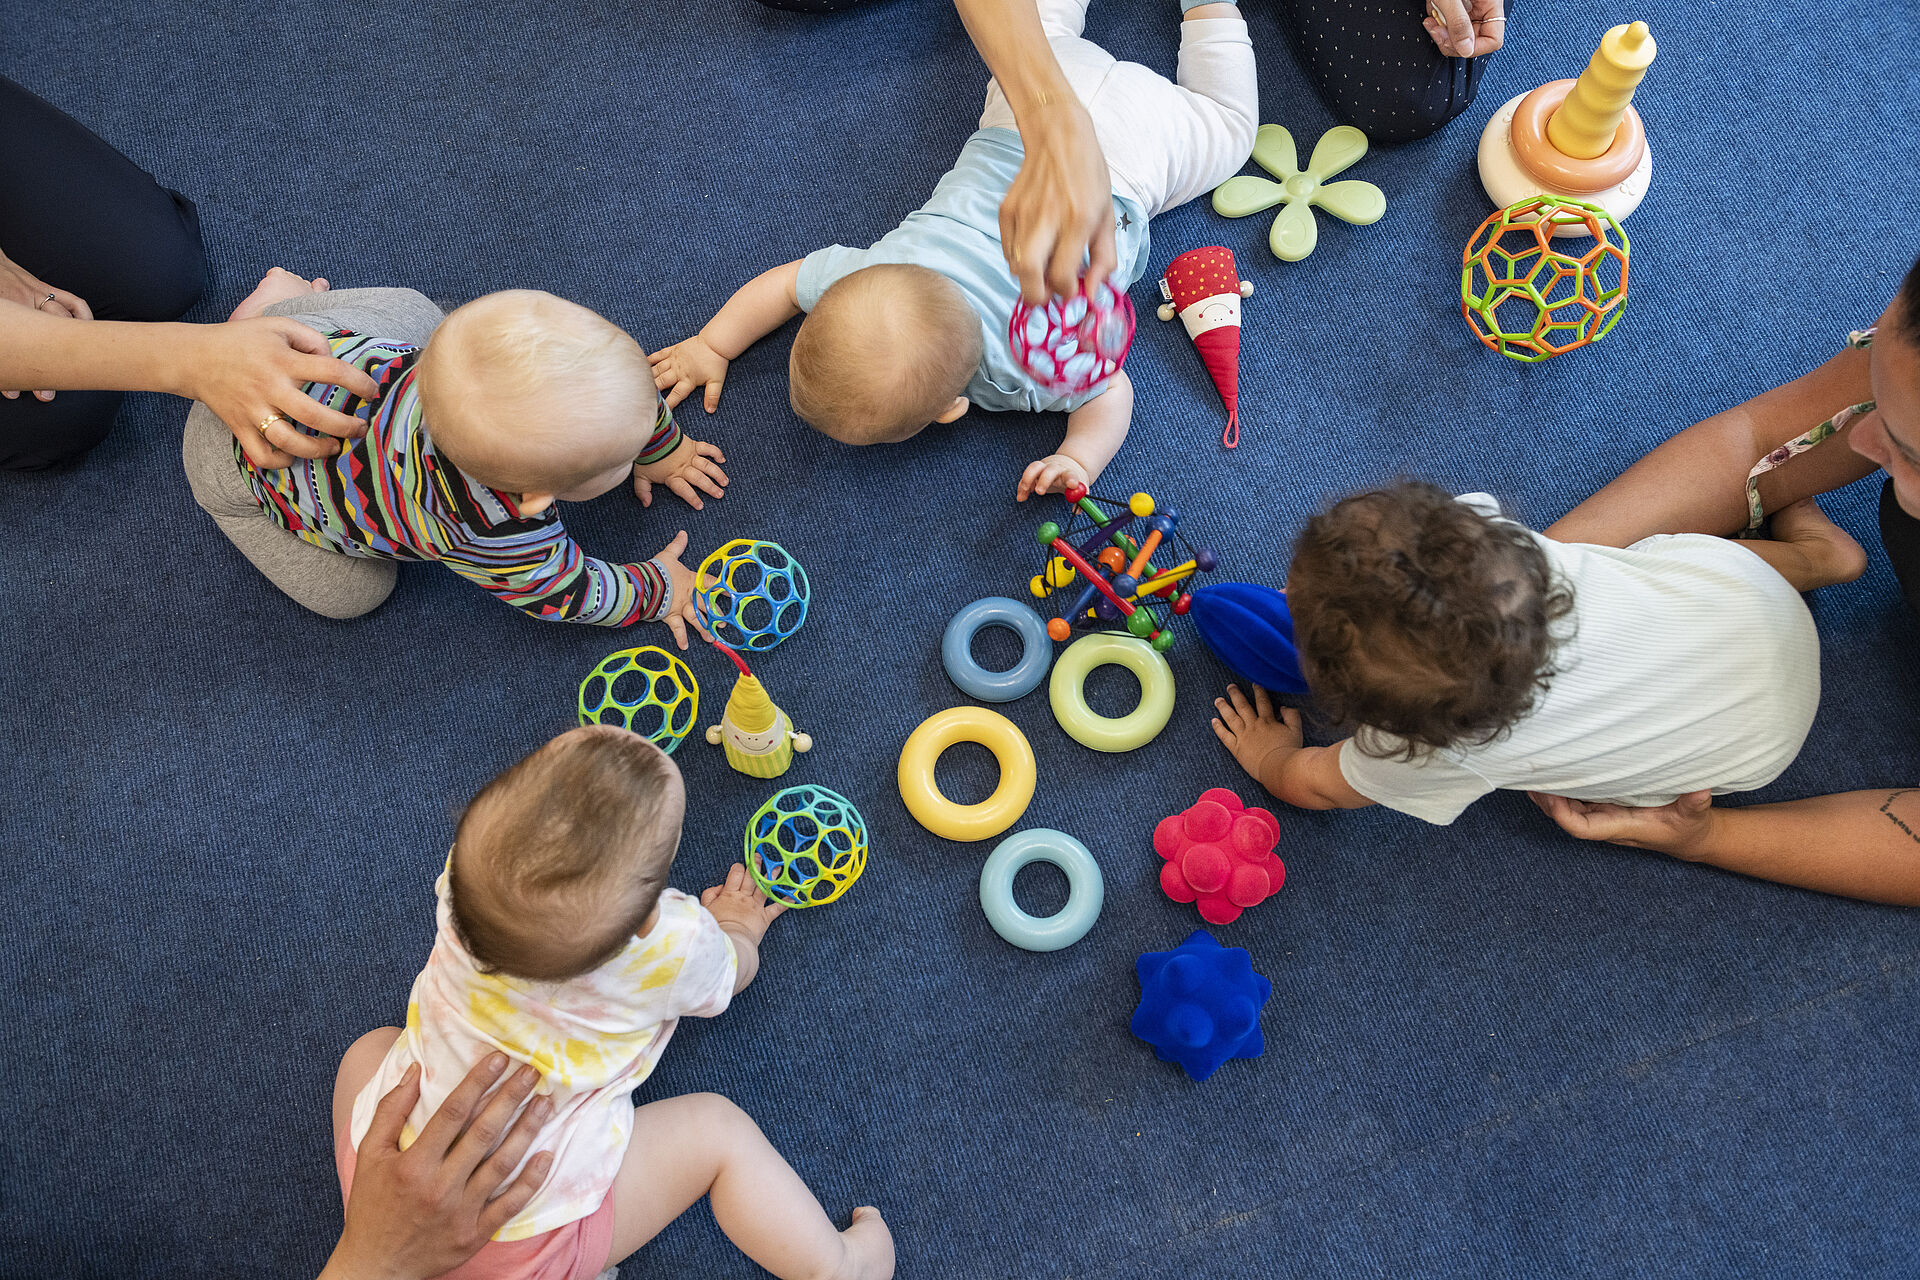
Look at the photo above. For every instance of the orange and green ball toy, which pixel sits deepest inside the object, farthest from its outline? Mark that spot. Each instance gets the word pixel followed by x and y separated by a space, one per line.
pixel 1530 300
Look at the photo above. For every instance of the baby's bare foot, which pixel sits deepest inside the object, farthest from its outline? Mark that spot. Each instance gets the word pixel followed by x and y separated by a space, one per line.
pixel 1831 553
pixel 276 286
pixel 869 1246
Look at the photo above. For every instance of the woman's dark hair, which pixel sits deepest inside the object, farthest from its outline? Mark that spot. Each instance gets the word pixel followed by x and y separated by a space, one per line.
pixel 1906 305
pixel 1420 618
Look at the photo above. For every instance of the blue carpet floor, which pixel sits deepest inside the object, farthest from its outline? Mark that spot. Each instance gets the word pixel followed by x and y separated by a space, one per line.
pixel 1492 1050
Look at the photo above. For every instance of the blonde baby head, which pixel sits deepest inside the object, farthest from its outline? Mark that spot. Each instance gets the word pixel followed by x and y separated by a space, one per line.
pixel 534 395
pixel 885 351
pixel 559 861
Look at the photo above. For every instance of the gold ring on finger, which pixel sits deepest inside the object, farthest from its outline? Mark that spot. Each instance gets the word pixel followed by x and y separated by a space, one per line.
pixel 262 425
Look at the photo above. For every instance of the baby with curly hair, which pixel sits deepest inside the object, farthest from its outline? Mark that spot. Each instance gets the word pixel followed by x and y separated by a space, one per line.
pixel 1468 654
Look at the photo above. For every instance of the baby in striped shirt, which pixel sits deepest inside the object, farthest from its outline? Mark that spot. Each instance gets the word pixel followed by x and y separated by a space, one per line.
pixel 484 420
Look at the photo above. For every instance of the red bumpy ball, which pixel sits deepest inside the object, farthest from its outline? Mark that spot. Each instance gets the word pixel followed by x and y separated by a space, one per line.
pixel 1220 854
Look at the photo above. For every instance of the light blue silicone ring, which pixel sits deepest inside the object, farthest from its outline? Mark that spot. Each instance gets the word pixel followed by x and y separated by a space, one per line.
pixel 1086 890
pixel 1036 651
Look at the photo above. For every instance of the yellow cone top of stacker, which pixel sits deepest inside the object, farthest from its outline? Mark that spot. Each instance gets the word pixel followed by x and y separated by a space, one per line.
pixel 748 706
pixel 1584 125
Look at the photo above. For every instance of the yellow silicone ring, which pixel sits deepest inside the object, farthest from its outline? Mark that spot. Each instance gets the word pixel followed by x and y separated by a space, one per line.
pixel 998 811
pixel 1068 692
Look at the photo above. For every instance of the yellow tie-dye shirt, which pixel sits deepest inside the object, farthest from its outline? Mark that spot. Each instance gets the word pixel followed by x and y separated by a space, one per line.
pixel 594 1039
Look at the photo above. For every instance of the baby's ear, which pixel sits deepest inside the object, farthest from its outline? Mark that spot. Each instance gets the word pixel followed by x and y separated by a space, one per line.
pixel 959 406
pixel 532 504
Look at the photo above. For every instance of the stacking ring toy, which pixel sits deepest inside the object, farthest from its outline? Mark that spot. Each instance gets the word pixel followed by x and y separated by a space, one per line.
pixel 1071 344
pixel 1068 692
pixel 998 811
pixel 1036 652
pixel 1086 890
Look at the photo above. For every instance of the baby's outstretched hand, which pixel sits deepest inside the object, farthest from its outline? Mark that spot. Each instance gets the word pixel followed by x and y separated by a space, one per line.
pixel 1252 731
pixel 678 369
pixel 692 464
pixel 683 608
pixel 739 902
pixel 1052 474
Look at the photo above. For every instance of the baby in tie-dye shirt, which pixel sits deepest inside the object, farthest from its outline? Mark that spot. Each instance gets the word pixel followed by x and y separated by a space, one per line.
pixel 559 944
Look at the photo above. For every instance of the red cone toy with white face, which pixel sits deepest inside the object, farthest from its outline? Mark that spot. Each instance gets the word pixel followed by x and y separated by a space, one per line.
pixel 1204 288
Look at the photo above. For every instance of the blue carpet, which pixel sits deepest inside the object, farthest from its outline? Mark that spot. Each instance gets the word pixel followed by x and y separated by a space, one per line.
pixel 1492 1050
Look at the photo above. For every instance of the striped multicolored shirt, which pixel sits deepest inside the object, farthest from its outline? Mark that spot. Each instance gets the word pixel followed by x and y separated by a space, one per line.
pixel 390 496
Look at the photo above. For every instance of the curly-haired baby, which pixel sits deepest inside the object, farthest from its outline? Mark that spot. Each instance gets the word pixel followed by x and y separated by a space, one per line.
pixel 1469 654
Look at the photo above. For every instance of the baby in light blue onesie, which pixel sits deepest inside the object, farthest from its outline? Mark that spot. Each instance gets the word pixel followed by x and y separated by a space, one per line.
pixel 913 330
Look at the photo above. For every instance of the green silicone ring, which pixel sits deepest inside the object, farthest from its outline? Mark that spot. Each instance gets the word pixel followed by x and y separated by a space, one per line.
pixel 1068 692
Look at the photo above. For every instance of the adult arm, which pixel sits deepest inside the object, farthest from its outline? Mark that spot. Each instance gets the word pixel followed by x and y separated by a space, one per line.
pixel 1059 209
pixel 1858 844
pixel 423 1211
pixel 243 370
pixel 1696 481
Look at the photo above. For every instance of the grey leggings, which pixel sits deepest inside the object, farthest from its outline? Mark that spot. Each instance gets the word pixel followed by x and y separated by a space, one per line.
pixel 328 582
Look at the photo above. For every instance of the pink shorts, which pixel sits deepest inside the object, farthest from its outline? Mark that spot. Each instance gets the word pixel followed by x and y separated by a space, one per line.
pixel 577 1251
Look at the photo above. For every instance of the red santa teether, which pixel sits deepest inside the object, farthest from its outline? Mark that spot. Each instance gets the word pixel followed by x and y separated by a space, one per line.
pixel 1204 288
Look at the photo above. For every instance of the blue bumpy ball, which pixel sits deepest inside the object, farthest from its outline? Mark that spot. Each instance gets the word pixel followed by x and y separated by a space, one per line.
pixel 1200 1004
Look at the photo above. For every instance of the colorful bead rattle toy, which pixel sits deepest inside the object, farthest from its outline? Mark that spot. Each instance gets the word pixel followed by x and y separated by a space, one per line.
pixel 647 691
pixel 1121 580
pixel 1564 301
pixel 1071 344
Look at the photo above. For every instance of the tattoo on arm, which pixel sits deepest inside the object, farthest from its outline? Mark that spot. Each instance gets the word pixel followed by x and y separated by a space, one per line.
pixel 1886 808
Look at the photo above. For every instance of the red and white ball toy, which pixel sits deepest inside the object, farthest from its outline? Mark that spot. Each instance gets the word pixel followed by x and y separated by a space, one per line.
pixel 1073 344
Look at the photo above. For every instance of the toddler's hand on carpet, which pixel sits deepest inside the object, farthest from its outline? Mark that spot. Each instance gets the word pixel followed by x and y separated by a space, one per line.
pixel 678 369
pixel 683 609
pixel 1253 731
pixel 245 370
pixel 1051 474
pixel 739 902
pixel 692 464
pixel 1673 829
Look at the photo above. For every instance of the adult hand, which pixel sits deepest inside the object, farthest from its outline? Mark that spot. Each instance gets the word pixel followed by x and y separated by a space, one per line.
pixel 1674 829
pixel 17 284
pixel 1466 28
pixel 424 1211
pixel 250 371
pixel 1059 209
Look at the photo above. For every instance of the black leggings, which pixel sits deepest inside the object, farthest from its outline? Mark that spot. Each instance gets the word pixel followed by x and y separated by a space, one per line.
pixel 84 218
pixel 1373 63
pixel 1900 535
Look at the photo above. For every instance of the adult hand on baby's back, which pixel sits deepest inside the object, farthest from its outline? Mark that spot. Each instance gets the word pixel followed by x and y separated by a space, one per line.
pixel 1058 213
pixel 693 463
pixel 739 902
pixel 423 1211
pixel 247 370
pixel 1675 829
pixel 678 369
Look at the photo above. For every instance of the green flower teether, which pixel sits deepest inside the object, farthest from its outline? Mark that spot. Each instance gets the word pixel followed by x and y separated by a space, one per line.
pixel 1294 232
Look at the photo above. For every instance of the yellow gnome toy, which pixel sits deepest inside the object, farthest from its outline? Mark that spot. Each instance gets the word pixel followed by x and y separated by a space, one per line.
pixel 758 738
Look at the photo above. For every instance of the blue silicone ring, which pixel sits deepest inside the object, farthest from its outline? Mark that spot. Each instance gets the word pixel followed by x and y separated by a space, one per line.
pixel 1086 890
pixel 1036 652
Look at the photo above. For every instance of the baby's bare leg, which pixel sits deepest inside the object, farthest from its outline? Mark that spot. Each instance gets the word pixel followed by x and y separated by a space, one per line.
pixel 1809 550
pixel 276 286
pixel 362 1059
pixel 703 1145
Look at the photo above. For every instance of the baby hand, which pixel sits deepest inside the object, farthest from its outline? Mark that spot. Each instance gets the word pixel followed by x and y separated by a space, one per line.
pixel 1253 732
pixel 680 368
pixel 683 610
pixel 1052 474
pixel 740 903
pixel 693 463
